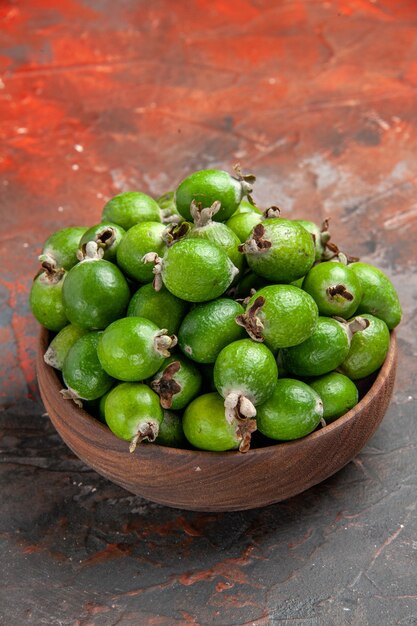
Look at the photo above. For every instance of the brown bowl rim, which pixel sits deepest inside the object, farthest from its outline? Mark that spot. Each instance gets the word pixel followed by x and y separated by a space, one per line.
pixel 121 446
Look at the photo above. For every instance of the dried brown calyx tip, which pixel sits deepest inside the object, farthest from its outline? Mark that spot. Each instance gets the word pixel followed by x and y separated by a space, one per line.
pixel 246 180
pixel 163 342
pixel 105 238
pixel 148 431
pixel 245 301
pixel 51 273
pixel 244 430
pixel 166 386
pixel 324 232
pixel 331 252
pixel 152 257
pixel 168 217
pixel 90 251
pixel 251 322
pixel 256 244
pixel 238 406
pixel 340 290
pixel 272 212
pixel 70 394
pixel 357 324
pixel 175 232
pixel 202 216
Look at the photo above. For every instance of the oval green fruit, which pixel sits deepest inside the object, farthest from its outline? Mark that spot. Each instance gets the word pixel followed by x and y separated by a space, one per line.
pixel 60 249
pixel 138 241
pixel 293 411
pixel 160 307
pixel 107 236
pixel 368 349
pixel 130 208
pixel 61 344
pixel 335 288
pixel 379 295
pixel 177 382
pixel 45 299
pixel 338 394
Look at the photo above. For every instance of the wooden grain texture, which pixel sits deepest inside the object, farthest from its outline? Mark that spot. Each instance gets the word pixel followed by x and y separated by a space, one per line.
pixel 207 481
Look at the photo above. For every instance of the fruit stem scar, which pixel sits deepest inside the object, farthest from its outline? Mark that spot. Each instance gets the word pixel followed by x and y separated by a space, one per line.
pixel 90 252
pixel 166 386
pixel 163 342
pixel 246 181
pixel 251 322
pixel 167 217
pixel 174 232
pixel 50 271
pixel 70 394
pixel 147 431
pixel 105 237
pixel 203 216
pixel 256 244
pixel 152 257
pixel 238 406
pixel 272 212
pixel 339 290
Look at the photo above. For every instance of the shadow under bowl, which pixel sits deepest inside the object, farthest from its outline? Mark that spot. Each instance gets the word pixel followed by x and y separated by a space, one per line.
pixel 218 481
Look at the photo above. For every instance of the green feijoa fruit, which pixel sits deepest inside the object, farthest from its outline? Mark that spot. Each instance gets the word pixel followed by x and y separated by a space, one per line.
pixel 335 288
pixel 134 348
pixel 138 241
pixel 325 349
pixel 321 235
pixel 82 372
pixel 60 249
pixel 245 374
pixel 177 382
pixel 208 186
pixel 60 345
pixel 45 299
pixel 280 315
pixel 379 295
pixel 95 292
pixel 242 224
pixel 247 207
pixel 171 432
pixel 194 270
pixel 279 250
pixel 130 208
pixel 169 213
pixel 107 236
pixel 368 349
pixel 133 413
pixel 218 233
pixel 207 428
pixel 208 328
pixel 338 394
pixel 160 307
pixel 293 410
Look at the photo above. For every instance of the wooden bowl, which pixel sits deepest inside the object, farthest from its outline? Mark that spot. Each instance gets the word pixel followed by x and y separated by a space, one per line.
pixel 214 481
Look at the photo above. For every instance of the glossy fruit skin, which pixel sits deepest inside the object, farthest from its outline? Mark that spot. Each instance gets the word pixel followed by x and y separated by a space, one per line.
pixel 188 377
pixel 138 241
pixel 328 275
pixel 95 233
pixel 208 186
pixel 314 230
pixel 171 432
pixel 130 406
pixel 102 402
pixel 205 425
pixel 293 411
pixel 46 303
pixel 222 236
pixel 62 246
pixel 126 349
pixel 208 328
pixel 247 207
pixel 160 307
pixel 379 295
pixel 82 371
pixel 130 208
pixel 368 349
pixel 325 349
pixel 95 293
pixel 338 394
pixel 289 315
pixel 247 368
pixel 243 223
pixel 61 344
pixel 197 270
pixel 290 256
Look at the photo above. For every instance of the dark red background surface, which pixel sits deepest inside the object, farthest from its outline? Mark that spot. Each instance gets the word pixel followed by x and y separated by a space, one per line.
pixel 319 99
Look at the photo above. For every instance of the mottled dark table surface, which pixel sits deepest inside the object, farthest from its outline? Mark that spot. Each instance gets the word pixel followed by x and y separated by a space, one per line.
pixel 319 99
